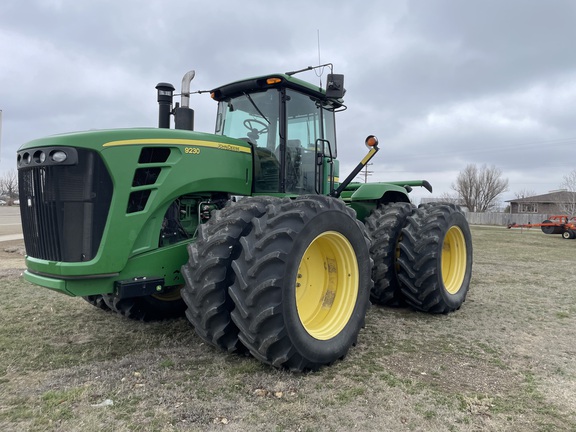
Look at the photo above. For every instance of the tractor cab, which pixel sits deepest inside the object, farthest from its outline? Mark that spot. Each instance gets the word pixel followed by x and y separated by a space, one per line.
pixel 290 125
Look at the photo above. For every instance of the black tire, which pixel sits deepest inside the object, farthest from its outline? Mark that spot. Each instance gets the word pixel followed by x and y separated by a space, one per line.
pixel 436 259
pixel 384 225
pixel 97 301
pixel 208 272
pixel 547 229
pixel 551 229
pixel 289 312
pixel 569 234
pixel 154 307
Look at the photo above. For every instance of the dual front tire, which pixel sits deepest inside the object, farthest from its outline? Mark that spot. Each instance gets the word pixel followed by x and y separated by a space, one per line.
pixel 298 288
pixel 208 273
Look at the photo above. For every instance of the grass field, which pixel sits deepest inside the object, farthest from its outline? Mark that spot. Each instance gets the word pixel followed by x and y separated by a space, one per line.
pixel 506 361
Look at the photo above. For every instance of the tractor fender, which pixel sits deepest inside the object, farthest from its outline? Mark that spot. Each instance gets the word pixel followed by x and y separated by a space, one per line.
pixel 382 192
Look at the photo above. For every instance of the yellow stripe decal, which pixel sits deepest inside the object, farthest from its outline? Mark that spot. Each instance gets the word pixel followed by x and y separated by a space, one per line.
pixel 182 142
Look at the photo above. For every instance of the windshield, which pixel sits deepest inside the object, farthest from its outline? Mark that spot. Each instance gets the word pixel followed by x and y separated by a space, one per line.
pixel 253 117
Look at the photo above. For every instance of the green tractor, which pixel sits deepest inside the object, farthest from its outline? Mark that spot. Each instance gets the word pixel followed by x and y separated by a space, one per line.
pixel 249 232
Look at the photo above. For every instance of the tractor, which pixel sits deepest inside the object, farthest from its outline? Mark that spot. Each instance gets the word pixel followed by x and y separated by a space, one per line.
pixel 250 232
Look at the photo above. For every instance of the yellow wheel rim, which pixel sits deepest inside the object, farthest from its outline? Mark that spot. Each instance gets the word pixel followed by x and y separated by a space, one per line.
pixel 327 285
pixel 453 260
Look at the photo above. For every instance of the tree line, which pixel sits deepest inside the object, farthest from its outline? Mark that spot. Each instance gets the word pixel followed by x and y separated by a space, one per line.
pixel 479 189
pixel 9 185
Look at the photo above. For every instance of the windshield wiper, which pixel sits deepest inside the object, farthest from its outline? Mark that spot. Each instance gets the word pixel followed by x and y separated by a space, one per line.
pixel 255 106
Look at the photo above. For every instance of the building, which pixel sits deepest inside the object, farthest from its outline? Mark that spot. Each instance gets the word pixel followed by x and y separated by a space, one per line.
pixel 554 202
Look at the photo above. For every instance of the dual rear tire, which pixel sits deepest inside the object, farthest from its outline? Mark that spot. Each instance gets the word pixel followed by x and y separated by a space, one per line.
pixel 422 257
pixel 435 261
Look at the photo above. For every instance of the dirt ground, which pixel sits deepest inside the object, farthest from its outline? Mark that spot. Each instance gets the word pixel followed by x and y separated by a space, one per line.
pixel 11 243
pixel 12 255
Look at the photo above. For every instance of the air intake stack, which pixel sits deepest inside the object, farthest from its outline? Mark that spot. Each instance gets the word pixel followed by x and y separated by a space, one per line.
pixel 165 96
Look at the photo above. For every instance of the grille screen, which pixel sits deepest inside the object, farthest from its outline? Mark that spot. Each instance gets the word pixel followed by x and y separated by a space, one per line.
pixel 64 208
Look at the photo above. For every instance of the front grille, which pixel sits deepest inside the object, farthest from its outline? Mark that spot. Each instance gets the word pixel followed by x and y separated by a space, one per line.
pixel 64 206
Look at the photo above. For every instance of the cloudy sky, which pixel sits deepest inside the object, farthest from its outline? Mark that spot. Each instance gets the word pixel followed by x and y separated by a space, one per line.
pixel 442 83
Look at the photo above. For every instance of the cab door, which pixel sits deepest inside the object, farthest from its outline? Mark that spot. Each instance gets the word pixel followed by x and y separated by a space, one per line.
pixel 309 128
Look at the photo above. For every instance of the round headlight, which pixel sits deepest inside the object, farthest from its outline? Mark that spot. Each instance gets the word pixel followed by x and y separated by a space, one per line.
pixel 26 157
pixel 39 156
pixel 58 156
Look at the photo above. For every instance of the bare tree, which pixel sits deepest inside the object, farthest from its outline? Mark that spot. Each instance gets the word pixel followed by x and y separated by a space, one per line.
pixel 479 188
pixel 567 201
pixel 9 185
pixel 449 198
pixel 524 193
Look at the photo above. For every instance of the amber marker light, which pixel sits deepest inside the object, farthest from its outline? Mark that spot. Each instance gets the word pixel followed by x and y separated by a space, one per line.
pixel 271 81
pixel 371 141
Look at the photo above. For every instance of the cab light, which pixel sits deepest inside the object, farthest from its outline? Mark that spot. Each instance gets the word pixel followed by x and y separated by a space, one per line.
pixel 271 81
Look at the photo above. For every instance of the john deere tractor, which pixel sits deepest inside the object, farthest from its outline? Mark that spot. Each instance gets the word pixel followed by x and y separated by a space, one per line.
pixel 250 232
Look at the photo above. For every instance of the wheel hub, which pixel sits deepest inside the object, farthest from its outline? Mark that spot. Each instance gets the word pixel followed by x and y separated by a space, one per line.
pixel 453 260
pixel 327 285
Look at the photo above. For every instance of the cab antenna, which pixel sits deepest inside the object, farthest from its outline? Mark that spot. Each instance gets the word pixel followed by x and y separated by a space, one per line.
pixel 319 61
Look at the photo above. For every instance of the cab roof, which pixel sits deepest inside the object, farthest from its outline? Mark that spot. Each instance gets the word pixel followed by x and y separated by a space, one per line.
pixel 278 80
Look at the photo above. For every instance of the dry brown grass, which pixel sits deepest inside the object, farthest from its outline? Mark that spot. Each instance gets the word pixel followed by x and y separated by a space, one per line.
pixel 505 362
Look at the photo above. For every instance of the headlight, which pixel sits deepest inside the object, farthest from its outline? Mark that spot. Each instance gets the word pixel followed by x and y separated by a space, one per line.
pixel 39 156
pixel 58 156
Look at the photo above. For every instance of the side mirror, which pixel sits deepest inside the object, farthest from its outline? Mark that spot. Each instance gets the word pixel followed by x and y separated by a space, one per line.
pixel 335 86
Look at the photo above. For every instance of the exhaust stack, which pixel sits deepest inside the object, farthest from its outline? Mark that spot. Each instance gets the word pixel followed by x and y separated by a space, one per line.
pixel 183 114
